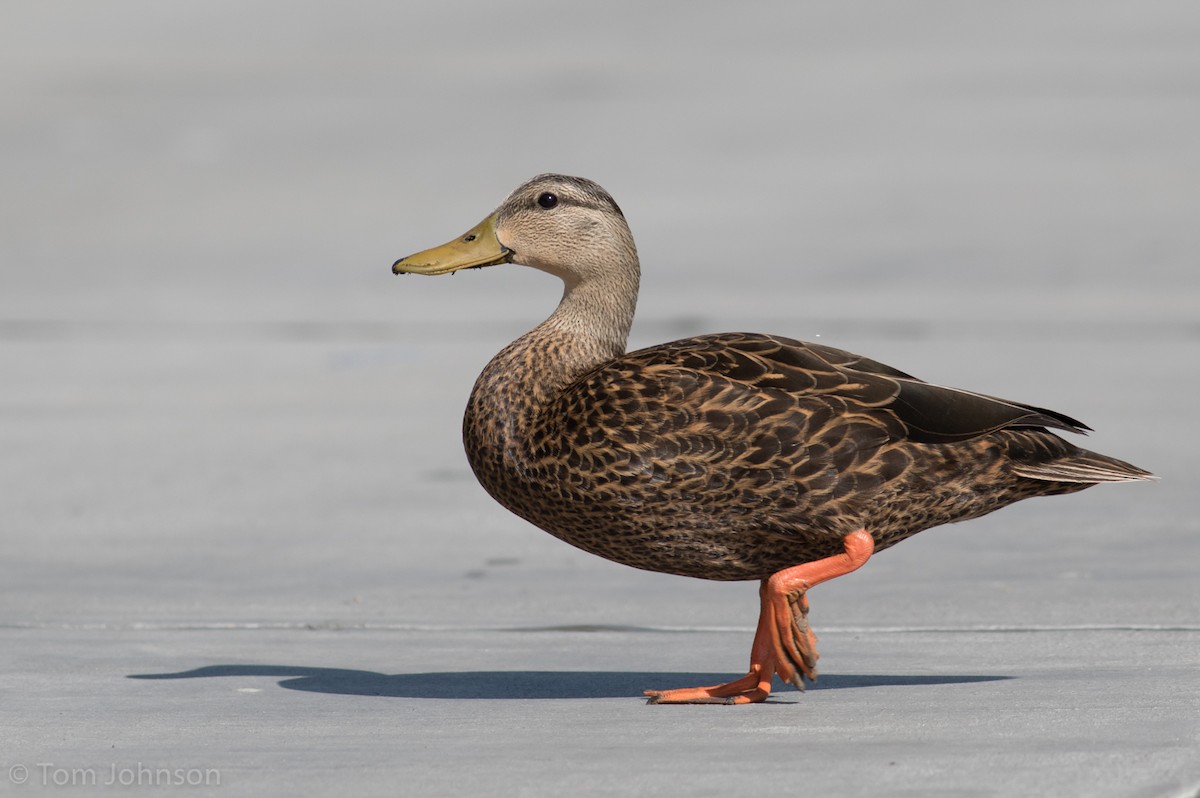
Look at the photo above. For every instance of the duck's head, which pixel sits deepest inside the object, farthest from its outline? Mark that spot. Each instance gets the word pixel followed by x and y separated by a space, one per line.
pixel 567 226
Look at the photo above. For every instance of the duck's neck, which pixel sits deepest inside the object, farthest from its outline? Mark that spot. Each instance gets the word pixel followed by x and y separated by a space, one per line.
pixel 589 328
pixel 591 322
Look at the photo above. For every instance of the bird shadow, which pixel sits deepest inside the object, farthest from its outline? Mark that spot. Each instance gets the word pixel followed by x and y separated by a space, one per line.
pixel 521 684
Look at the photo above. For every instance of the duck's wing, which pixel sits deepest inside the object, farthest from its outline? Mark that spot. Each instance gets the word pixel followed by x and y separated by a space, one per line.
pixel 929 413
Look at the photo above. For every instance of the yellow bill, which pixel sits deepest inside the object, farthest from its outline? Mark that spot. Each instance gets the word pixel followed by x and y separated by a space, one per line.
pixel 475 248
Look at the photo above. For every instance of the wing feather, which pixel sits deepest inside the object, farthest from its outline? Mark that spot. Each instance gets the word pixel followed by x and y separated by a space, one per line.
pixel 929 413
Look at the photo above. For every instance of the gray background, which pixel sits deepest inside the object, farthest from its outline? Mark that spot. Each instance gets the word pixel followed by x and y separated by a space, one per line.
pixel 230 437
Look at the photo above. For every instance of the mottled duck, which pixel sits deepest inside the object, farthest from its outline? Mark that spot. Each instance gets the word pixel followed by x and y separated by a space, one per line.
pixel 728 456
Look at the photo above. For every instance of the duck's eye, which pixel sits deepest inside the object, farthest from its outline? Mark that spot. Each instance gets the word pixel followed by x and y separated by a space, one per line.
pixel 547 200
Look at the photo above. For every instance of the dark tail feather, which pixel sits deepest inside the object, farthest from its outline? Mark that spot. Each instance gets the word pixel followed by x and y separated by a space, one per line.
pixel 1083 466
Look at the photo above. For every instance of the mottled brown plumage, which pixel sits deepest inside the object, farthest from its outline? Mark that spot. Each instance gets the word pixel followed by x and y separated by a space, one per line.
pixel 730 456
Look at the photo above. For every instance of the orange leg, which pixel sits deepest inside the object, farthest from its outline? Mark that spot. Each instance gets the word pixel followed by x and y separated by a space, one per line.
pixel 783 642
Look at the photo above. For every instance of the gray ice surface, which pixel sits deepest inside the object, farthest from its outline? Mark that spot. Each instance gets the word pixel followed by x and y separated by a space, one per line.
pixel 238 536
